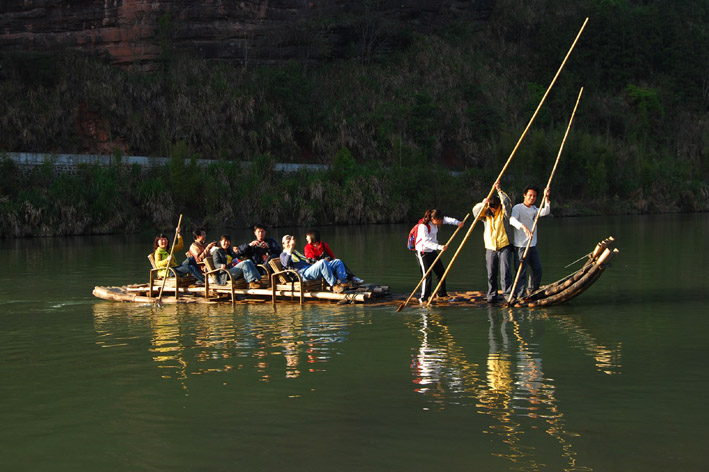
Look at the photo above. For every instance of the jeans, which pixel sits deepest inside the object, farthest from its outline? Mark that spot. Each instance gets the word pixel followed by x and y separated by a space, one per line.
pixel 331 271
pixel 246 269
pixel 499 260
pixel 185 269
pixel 535 265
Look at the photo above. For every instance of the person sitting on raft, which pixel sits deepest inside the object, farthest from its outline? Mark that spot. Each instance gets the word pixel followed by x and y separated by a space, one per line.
pixel 317 249
pixel 225 258
pixel 261 249
pixel 333 271
pixel 199 249
pixel 163 259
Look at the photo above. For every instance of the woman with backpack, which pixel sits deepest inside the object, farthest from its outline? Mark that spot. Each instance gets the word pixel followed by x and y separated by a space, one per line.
pixel 427 249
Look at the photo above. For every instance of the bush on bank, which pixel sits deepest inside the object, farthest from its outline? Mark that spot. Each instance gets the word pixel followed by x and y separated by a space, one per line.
pixel 128 198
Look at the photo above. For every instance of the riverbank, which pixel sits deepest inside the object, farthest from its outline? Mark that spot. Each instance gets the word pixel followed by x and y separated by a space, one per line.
pixel 123 197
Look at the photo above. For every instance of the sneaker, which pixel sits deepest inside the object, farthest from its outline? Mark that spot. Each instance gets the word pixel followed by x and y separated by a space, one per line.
pixel 255 285
pixel 357 280
pixel 199 283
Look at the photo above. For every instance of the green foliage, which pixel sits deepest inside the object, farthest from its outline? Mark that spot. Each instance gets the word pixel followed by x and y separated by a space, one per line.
pixel 648 104
pixel 343 166
pixel 385 123
pixel 423 119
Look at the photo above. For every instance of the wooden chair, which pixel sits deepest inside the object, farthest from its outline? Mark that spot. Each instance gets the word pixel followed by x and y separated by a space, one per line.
pixel 265 272
pixel 284 279
pixel 179 281
pixel 210 277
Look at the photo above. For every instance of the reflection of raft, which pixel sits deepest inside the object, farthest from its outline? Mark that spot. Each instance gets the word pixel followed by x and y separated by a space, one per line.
pixel 574 284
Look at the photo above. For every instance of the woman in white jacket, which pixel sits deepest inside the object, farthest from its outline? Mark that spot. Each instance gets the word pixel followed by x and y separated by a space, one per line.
pixel 427 249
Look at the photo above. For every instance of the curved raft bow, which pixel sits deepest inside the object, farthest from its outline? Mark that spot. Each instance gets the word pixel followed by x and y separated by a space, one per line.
pixel 573 284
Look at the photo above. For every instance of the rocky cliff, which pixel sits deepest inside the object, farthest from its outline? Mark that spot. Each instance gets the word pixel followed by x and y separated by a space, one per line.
pixel 132 32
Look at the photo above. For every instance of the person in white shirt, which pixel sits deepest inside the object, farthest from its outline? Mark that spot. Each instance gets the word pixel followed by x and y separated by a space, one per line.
pixel 522 220
pixel 427 249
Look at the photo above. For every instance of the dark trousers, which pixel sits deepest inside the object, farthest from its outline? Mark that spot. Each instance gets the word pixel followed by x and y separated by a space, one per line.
pixel 189 267
pixel 535 266
pixel 425 260
pixel 500 260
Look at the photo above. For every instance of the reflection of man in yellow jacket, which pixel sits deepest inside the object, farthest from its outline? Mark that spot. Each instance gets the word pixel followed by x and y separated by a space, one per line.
pixel 498 251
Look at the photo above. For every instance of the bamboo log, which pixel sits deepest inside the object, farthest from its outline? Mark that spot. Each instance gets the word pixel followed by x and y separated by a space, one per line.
pixel 578 287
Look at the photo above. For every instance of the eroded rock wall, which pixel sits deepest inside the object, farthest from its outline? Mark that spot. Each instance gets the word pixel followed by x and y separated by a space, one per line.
pixel 248 31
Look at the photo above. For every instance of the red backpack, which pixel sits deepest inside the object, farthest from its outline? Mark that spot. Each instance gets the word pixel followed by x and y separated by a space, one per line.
pixel 411 243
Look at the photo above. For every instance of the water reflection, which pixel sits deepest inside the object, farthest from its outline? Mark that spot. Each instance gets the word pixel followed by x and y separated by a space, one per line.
pixel 439 366
pixel 260 341
pixel 513 389
pixel 607 360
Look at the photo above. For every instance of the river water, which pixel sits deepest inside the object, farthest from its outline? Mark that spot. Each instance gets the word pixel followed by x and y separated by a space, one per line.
pixel 615 380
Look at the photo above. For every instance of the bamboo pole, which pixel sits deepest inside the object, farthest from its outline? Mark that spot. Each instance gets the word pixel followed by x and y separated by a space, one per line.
pixel 492 189
pixel 167 266
pixel 539 210
pixel 431 268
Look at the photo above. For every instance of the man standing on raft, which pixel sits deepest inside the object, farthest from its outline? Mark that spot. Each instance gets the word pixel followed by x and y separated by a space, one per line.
pixel 522 219
pixel 498 250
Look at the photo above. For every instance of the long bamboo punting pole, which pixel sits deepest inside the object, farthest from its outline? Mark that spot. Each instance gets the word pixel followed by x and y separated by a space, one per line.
pixel 167 267
pixel 509 159
pixel 539 210
pixel 431 268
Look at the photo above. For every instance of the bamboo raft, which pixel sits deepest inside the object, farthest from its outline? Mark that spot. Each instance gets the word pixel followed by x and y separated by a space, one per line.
pixel 138 293
pixel 555 293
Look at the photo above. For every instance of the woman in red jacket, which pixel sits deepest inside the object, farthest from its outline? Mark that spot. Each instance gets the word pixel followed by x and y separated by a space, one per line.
pixel 317 249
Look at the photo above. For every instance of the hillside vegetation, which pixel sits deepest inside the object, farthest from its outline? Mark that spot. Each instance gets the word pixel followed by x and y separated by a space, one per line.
pixel 391 124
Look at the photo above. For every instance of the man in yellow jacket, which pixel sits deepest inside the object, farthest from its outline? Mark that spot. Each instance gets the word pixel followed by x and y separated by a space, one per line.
pixel 498 250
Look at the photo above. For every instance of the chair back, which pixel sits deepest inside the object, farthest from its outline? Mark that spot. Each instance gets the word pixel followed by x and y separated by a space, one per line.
pixel 276 267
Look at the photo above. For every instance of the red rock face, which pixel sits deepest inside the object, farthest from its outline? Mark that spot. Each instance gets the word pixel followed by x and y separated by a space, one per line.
pixel 249 31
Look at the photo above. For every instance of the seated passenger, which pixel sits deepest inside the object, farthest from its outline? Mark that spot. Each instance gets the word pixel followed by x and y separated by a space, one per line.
pixel 199 249
pixel 317 249
pixel 261 249
pixel 225 258
pixel 162 259
pixel 332 271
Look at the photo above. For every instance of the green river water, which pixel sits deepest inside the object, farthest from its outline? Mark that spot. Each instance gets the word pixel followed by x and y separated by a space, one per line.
pixel 614 380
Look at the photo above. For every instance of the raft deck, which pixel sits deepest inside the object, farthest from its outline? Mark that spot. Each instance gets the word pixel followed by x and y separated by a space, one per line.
pixel 138 293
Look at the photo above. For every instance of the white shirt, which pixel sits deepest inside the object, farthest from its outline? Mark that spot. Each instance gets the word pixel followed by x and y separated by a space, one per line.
pixel 524 215
pixel 427 241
